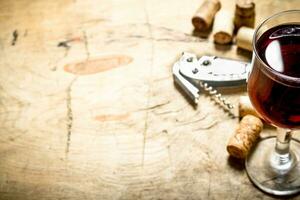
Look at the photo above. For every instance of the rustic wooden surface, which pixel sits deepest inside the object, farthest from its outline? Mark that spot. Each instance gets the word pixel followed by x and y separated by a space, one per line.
pixel 88 108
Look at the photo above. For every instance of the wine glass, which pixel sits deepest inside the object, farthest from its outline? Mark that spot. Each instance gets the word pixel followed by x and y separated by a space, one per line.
pixel 274 90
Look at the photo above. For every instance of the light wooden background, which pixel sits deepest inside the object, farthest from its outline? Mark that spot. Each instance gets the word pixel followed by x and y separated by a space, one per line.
pixel 88 108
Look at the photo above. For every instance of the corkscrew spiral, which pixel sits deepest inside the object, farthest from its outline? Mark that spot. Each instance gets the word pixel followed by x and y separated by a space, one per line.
pixel 216 95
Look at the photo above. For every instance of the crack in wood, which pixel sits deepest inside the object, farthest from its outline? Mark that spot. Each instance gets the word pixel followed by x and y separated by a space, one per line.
pixel 183 123
pixel 209 185
pixel 149 83
pixel 15 35
pixel 22 133
pixel 69 115
pixel 86 44
pixel 164 35
pixel 153 107
pixel 168 147
pixel 67 49
pixel 157 105
pixel 64 44
pixel 188 39
pixel 166 112
pixel 214 123
pixel 25 33
pixel 238 193
pixel 171 111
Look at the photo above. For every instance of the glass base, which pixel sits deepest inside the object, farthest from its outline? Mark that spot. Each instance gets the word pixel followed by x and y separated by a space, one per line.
pixel 283 180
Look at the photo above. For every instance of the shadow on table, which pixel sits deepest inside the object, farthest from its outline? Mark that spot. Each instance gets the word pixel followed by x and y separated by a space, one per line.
pixel 237 164
pixel 201 34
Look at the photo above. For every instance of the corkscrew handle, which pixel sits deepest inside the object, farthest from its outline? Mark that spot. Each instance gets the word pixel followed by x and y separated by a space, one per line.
pixel 207 72
pixel 214 70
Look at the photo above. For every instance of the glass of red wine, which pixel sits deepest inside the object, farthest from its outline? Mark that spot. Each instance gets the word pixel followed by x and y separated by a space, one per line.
pixel 274 91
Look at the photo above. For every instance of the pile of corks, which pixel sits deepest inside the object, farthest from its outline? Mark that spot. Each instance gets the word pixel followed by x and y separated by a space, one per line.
pixel 225 23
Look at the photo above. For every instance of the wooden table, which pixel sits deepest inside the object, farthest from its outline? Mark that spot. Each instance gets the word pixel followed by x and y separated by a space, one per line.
pixel 89 109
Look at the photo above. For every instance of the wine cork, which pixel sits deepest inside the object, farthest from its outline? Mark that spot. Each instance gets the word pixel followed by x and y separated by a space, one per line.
pixel 244 38
pixel 223 27
pixel 244 14
pixel 246 108
pixel 245 136
pixel 204 16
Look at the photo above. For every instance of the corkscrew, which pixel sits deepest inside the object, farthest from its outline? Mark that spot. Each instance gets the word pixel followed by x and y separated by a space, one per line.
pixel 207 73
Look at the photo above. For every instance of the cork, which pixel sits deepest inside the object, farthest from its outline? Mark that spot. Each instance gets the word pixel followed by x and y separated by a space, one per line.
pixel 223 27
pixel 246 108
pixel 244 38
pixel 244 14
pixel 245 137
pixel 204 16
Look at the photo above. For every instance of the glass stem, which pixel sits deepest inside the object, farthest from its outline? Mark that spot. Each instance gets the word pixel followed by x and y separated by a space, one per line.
pixel 284 137
pixel 282 159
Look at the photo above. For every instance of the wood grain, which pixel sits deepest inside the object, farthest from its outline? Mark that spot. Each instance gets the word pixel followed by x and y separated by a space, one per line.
pixel 88 108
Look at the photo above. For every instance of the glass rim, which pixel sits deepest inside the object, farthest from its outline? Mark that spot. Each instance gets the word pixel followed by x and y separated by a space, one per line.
pixel 282 77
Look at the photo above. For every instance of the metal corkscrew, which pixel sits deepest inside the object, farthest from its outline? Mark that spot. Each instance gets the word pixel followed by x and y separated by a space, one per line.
pixel 216 95
pixel 208 72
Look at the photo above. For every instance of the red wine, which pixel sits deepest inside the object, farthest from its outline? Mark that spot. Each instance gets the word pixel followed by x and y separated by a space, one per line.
pixel 274 82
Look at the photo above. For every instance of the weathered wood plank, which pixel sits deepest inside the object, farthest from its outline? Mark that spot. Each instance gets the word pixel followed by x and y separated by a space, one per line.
pixel 89 109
